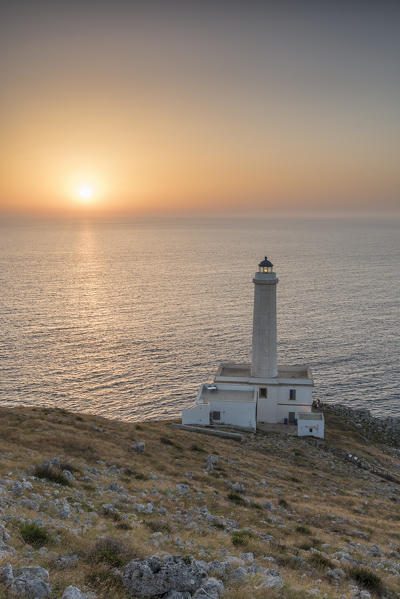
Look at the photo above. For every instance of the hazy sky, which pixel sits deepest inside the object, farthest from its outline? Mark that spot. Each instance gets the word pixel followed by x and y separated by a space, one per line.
pixel 171 109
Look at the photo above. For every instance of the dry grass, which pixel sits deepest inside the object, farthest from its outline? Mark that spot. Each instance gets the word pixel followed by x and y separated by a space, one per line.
pixel 321 500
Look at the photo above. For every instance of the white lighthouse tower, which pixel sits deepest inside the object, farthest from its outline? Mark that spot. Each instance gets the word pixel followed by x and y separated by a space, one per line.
pixel 253 395
pixel 264 359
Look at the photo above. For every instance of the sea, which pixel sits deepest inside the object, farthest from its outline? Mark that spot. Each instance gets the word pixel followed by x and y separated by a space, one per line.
pixel 126 318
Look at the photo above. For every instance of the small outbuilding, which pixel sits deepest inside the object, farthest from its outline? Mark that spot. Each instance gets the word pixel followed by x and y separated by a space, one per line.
pixel 311 425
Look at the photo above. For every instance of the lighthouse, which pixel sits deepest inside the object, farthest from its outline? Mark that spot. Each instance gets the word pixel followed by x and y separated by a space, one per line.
pixel 264 356
pixel 254 395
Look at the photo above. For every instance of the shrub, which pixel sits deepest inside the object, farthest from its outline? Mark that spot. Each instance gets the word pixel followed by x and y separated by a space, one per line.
pixel 195 447
pixel 110 551
pixel 123 525
pixel 34 535
pixel 241 537
pixel 366 578
pixel 283 503
pixel 303 530
pixel 319 561
pixel 53 474
pixel 236 498
pixel 167 441
pixel 158 525
pixel 103 579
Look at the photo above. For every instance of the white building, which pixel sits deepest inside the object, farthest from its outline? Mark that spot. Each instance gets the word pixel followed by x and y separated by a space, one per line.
pixel 245 395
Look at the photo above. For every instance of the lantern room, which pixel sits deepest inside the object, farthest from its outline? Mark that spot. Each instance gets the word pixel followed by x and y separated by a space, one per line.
pixel 265 266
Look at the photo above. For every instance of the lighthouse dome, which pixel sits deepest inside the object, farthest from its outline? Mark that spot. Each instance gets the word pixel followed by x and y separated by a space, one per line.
pixel 265 265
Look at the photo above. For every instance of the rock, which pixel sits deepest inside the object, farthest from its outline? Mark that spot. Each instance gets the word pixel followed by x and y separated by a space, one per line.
pixel 157 576
pixel 268 506
pixel 361 595
pixel 177 595
pixel 31 583
pixel 139 447
pixel 248 558
pixel 272 580
pixel 238 487
pixel 115 487
pixel 4 536
pixel 239 574
pixel 6 574
pixel 66 561
pixel 220 570
pixel 69 475
pixel 210 589
pixel 73 593
pixel 211 461
pixel 65 512
pixel 182 489
pixel 335 574
pixel 17 489
pixel 28 572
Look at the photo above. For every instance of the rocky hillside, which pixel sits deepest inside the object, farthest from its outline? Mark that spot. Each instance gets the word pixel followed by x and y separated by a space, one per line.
pixel 97 508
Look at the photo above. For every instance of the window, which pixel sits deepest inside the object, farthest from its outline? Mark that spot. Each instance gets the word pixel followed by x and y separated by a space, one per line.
pixel 310 429
pixel 292 394
pixel 216 415
pixel 263 392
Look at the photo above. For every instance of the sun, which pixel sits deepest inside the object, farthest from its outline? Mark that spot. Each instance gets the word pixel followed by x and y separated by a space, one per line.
pixel 85 192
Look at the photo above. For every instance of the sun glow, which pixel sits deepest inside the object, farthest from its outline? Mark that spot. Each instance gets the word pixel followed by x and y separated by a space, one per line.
pixel 85 193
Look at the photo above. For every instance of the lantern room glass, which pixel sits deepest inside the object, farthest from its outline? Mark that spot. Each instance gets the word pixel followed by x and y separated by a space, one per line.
pixel 265 268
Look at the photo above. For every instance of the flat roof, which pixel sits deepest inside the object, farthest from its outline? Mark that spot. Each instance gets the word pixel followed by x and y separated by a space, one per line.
pixel 232 370
pixel 217 394
pixel 310 416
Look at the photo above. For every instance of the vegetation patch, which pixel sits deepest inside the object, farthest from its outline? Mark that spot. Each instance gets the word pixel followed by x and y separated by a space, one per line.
pixel 241 537
pixel 158 525
pixel 52 474
pixel 283 503
pixel 34 535
pixel 167 441
pixel 113 552
pixel 303 530
pixel 320 561
pixel 236 498
pixel 195 447
pixel 366 578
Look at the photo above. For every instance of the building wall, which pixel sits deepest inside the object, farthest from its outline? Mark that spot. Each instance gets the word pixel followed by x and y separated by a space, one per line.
pixel 267 409
pixel 277 405
pixel 199 414
pixel 239 414
pixel 310 428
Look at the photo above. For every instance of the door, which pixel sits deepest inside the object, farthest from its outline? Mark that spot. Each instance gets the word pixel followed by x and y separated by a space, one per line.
pixel 292 417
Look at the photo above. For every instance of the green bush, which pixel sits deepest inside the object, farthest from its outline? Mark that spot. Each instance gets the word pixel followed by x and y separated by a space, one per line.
pixel 34 535
pixel 319 561
pixel 236 498
pixel 303 530
pixel 52 474
pixel 241 537
pixel 195 447
pixel 366 578
pixel 158 525
pixel 110 551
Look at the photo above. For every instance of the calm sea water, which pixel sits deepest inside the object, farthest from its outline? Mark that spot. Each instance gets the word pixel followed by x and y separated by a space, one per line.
pixel 126 319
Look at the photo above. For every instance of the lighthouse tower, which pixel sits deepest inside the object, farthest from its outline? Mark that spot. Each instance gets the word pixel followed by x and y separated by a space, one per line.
pixel 253 396
pixel 264 359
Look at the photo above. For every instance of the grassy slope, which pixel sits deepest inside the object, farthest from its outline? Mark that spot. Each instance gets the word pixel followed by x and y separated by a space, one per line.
pixel 328 499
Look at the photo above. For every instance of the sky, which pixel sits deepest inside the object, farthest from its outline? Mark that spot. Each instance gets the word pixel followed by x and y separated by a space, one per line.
pixel 153 108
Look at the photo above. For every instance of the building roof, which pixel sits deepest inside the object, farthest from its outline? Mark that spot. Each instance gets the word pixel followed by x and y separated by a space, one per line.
pixel 265 262
pixel 310 416
pixel 215 393
pixel 232 371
